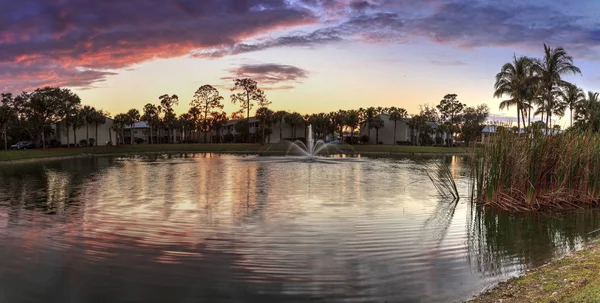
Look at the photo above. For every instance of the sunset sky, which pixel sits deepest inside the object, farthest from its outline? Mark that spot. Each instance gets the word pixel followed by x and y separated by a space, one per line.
pixel 309 55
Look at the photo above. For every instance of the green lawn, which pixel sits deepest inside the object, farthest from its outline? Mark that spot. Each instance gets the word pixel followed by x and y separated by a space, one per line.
pixel 12 155
pixel 573 279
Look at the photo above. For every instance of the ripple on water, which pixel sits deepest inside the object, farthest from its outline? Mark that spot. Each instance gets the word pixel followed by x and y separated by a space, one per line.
pixel 220 228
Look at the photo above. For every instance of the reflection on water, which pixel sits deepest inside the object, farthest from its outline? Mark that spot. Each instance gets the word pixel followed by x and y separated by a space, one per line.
pixel 202 227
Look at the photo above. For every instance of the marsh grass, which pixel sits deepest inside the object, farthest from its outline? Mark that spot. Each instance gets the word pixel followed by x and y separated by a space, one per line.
pixel 442 179
pixel 556 172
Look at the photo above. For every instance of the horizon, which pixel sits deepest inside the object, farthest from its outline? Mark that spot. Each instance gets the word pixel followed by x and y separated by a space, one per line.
pixel 304 54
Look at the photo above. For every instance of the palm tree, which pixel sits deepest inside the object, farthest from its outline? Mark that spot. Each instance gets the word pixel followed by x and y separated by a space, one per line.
pixel 278 118
pixel 352 121
pixel 219 119
pixel 6 115
pixel 134 116
pixel 514 81
pixel 88 116
pixel 99 117
pixel 550 69
pixel 265 116
pixel 77 122
pixel 150 112
pixel 397 114
pixel 119 123
pixel 368 117
pixel 376 123
pixel 572 96
pixel 167 102
pixel 588 112
pixel 293 119
pixel 69 105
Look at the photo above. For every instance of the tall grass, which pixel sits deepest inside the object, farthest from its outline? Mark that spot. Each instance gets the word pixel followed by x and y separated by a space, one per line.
pixel 539 172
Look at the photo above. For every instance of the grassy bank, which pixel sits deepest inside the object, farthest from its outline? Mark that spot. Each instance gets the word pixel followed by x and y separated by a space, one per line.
pixel 575 278
pixel 14 155
pixel 556 172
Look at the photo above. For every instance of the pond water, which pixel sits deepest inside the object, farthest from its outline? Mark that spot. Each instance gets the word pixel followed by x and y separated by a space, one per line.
pixel 219 228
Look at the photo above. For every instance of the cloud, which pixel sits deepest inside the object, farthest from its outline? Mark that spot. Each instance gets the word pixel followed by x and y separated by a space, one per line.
pixel 270 76
pixel 83 42
pixel 68 35
pixel 467 24
pixel 447 62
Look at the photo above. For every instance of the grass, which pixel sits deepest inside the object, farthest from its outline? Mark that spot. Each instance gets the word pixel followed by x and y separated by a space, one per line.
pixel 13 155
pixel 556 172
pixel 575 278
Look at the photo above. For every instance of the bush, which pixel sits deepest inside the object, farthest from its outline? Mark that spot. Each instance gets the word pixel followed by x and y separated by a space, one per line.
pixel 91 141
pixel 403 142
pixel 228 138
pixel 139 140
pixel 364 139
pixel 83 143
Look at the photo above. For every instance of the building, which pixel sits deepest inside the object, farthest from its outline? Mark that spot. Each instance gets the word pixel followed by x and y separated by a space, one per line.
pixel 105 133
pixel 404 133
pixel 141 134
pixel 280 131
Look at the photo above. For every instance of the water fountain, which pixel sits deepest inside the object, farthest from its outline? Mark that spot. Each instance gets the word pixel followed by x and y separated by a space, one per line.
pixel 298 151
pixel 311 149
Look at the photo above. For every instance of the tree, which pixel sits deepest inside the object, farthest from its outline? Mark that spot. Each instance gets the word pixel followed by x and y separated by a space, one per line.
pixel 278 118
pixel 167 102
pixel 368 117
pixel 77 120
pixel 397 114
pixel 473 119
pixel 150 116
pixel 119 123
pixel 187 124
pixel 219 119
pixel 265 117
pixel 352 121
pixel 377 123
pixel 99 118
pixel 550 69
pixel 206 99
pixel 588 112
pixel 249 93
pixel 450 108
pixel 421 128
pixel 339 120
pixel 43 109
pixel 69 105
pixel 572 96
pixel 514 80
pixel 6 115
pixel 293 119
pixel 88 113
pixel 133 116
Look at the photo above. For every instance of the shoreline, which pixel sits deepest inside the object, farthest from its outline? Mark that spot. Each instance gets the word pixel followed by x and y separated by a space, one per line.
pixel 28 156
pixel 573 278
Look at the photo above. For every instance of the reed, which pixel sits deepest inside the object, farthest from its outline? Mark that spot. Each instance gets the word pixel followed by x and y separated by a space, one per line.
pixel 442 179
pixel 539 172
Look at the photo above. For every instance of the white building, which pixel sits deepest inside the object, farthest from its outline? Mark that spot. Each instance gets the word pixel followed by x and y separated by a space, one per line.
pixel 102 135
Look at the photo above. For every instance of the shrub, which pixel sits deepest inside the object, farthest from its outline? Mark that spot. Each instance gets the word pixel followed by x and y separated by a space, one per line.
pixel 364 139
pixel 139 140
pixel 83 143
pixel 91 141
pixel 228 138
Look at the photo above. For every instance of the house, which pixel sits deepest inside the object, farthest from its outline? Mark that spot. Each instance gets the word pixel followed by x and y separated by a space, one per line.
pixel 104 132
pixel 279 131
pixel 402 129
pixel 141 133
pixel 386 133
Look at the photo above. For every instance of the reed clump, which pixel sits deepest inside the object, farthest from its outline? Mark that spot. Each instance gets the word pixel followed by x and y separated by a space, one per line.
pixel 539 172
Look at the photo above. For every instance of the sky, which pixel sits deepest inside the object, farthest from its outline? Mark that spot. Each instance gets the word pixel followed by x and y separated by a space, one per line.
pixel 308 55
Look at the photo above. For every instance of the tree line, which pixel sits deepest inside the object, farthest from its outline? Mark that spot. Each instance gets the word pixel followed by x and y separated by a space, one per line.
pixel 30 115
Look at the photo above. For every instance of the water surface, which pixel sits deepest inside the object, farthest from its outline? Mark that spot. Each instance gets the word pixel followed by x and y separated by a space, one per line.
pixel 219 228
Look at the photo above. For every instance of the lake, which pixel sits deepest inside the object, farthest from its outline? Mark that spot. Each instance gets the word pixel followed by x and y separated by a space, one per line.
pixel 225 228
